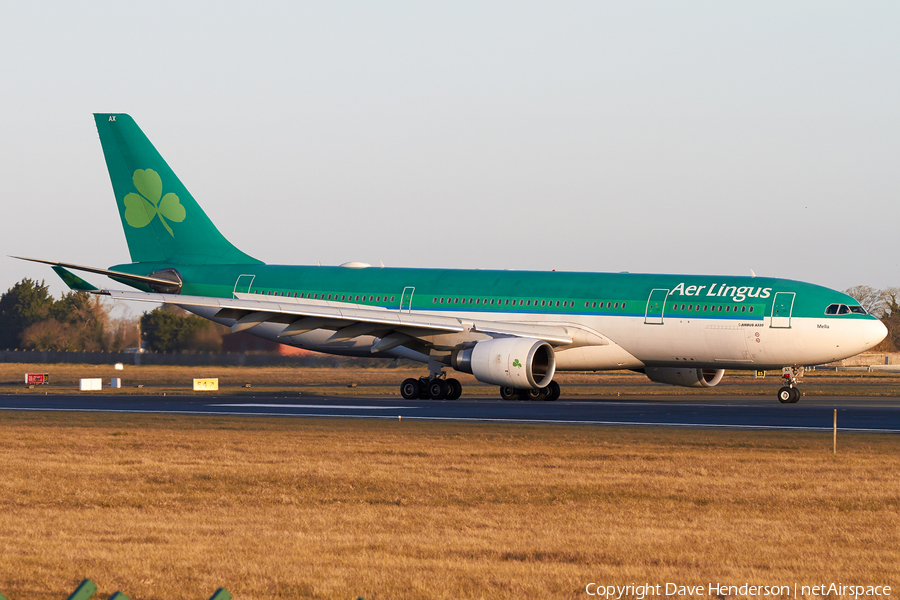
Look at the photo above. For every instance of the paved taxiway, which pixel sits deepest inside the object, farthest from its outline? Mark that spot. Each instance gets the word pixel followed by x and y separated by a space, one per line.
pixel 737 412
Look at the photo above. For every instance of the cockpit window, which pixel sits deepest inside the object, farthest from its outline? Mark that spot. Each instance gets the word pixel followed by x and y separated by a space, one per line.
pixel 843 309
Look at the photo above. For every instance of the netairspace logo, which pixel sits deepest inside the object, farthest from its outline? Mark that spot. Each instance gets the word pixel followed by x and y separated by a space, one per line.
pixel 646 590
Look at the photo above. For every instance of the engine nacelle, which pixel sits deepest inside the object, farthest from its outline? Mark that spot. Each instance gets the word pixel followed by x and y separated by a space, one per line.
pixel 685 377
pixel 517 362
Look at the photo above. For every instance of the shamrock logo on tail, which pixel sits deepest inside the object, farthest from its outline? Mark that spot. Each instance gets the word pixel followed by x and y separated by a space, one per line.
pixel 516 363
pixel 141 209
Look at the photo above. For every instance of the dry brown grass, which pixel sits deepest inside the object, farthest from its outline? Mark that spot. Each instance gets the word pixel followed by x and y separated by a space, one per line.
pixel 386 381
pixel 174 507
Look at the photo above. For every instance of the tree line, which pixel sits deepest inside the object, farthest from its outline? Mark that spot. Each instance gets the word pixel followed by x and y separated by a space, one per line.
pixel 31 318
pixel 884 304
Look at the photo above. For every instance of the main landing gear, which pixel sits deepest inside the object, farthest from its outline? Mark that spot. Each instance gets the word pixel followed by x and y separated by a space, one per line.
pixel 790 394
pixel 435 388
pixel 549 393
pixel 440 387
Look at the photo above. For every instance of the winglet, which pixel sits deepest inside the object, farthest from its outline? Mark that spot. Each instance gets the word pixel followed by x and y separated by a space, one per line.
pixel 74 281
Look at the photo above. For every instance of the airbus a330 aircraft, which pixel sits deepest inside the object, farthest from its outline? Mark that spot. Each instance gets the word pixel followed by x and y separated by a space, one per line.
pixel 513 329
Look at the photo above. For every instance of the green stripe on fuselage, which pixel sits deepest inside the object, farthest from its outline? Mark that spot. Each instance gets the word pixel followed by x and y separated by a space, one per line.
pixel 621 294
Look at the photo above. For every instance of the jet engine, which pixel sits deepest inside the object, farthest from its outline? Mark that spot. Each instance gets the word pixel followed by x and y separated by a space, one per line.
pixel 522 363
pixel 685 377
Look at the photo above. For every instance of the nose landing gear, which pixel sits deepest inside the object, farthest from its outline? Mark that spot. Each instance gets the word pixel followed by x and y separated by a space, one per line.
pixel 790 394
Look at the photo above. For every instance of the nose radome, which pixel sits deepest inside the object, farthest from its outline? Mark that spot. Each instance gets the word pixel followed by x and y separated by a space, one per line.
pixel 873 332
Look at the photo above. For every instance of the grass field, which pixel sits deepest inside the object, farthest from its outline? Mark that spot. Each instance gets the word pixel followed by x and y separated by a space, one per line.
pixel 167 507
pixel 386 382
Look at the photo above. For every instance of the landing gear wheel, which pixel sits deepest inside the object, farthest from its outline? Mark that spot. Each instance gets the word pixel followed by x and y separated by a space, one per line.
pixel 455 389
pixel 790 393
pixel 537 394
pixel 786 395
pixel 424 391
pixel 438 389
pixel 409 389
pixel 509 393
pixel 553 392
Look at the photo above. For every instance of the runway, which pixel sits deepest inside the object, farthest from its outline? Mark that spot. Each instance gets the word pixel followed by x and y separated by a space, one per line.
pixel 881 415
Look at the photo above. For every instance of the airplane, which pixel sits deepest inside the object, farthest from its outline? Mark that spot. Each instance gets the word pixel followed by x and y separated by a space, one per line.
pixel 512 329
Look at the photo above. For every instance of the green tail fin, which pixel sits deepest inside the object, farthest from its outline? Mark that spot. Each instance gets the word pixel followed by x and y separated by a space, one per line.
pixel 162 221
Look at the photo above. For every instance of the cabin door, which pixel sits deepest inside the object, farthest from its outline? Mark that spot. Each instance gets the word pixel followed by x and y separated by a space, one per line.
pixel 655 307
pixel 406 299
pixel 782 307
pixel 242 285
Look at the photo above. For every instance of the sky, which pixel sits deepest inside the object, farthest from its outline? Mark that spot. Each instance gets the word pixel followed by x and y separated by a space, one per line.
pixel 656 137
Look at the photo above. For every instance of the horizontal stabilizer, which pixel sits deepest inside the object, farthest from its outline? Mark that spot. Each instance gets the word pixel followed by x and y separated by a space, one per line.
pixel 114 274
pixel 72 280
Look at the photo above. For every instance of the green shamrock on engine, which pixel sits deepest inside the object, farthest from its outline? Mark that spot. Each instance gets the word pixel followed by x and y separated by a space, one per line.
pixel 516 363
pixel 140 209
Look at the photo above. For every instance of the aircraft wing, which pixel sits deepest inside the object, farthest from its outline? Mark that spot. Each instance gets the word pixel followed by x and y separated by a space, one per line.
pixel 392 326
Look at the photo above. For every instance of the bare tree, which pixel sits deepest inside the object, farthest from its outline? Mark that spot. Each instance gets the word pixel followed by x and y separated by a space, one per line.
pixel 869 298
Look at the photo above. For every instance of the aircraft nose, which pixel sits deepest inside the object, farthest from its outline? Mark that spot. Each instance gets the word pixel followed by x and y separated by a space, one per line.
pixel 873 332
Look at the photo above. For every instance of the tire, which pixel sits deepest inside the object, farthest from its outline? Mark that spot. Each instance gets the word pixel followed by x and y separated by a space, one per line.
pixel 553 392
pixel 535 394
pixel 796 395
pixel 424 384
pixel 509 393
pixel 409 389
pixel 786 395
pixel 438 389
pixel 455 389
